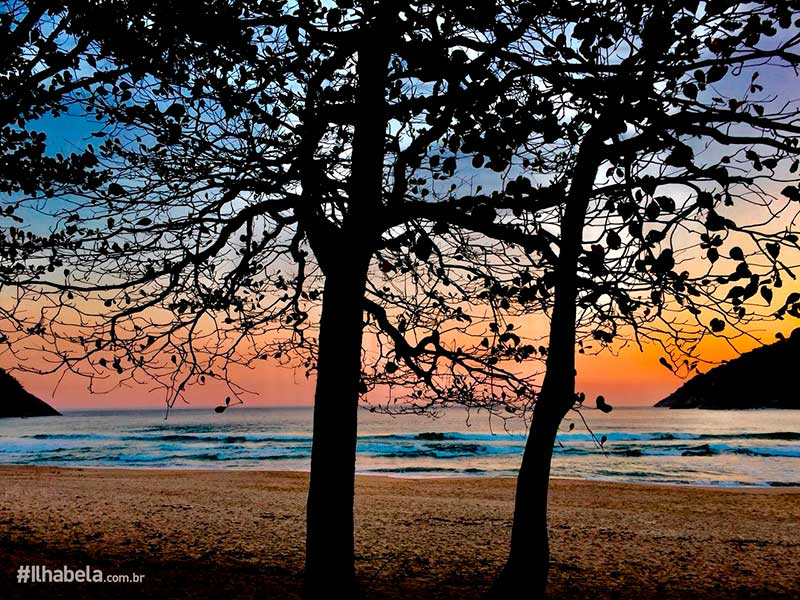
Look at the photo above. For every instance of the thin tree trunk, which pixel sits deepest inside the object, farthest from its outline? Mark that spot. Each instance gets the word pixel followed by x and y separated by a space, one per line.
pixel 525 572
pixel 329 538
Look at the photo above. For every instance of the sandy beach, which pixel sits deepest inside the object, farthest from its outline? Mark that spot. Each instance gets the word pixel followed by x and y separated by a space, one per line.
pixel 239 534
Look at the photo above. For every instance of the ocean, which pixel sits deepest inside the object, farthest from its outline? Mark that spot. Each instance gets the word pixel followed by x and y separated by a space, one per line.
pixel 649 445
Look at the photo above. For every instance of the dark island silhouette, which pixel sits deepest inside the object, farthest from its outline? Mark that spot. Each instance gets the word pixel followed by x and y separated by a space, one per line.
pixel 18 402
pixel 765 377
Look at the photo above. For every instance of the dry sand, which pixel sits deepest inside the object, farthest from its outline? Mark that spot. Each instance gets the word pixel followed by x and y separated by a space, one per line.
pixel 223 534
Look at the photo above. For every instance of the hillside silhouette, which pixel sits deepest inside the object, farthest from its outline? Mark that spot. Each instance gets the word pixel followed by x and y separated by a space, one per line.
pixel 765 377
pixel 18 402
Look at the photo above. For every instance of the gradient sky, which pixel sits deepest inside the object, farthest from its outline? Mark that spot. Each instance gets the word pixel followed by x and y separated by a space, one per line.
pixel 633 377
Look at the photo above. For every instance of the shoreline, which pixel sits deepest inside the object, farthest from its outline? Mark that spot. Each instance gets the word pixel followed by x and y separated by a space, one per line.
pixel 410 476
pixel 216 533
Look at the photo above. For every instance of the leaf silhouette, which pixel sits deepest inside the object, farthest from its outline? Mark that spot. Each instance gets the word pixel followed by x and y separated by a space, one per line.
pixel 603 405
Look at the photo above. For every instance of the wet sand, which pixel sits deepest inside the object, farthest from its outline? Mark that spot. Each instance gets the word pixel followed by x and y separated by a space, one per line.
pixel 239 534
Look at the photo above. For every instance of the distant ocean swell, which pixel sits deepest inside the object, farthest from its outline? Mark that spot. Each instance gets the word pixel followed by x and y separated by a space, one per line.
pixel 144 447
pixel 639 444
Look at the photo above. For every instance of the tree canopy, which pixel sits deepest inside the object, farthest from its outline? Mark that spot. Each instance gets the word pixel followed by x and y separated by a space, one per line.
pixel 225 189
pixel 390 196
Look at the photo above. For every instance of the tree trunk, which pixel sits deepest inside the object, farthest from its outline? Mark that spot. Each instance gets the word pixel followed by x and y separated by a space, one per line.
pixel 329 537
pixel 525 572
pixel 344 258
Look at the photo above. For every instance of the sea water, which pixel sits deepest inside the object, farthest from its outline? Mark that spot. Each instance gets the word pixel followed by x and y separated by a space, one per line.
pixel 701 447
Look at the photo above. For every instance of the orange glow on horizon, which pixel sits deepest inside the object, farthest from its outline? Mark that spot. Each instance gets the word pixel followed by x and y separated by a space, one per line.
pixel 633 377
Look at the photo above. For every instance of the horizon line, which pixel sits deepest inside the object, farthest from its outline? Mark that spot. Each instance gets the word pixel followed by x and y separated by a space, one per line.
pixel 264 406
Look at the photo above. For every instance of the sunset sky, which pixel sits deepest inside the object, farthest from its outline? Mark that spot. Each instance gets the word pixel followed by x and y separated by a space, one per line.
pixel 633 377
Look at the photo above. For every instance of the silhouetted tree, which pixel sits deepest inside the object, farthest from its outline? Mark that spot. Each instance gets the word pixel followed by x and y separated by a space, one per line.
pixel 274 194
pixel 298 175
pixel 675 132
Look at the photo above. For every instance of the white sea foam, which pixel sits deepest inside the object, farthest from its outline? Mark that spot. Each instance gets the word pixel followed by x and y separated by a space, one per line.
pixel 650 445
